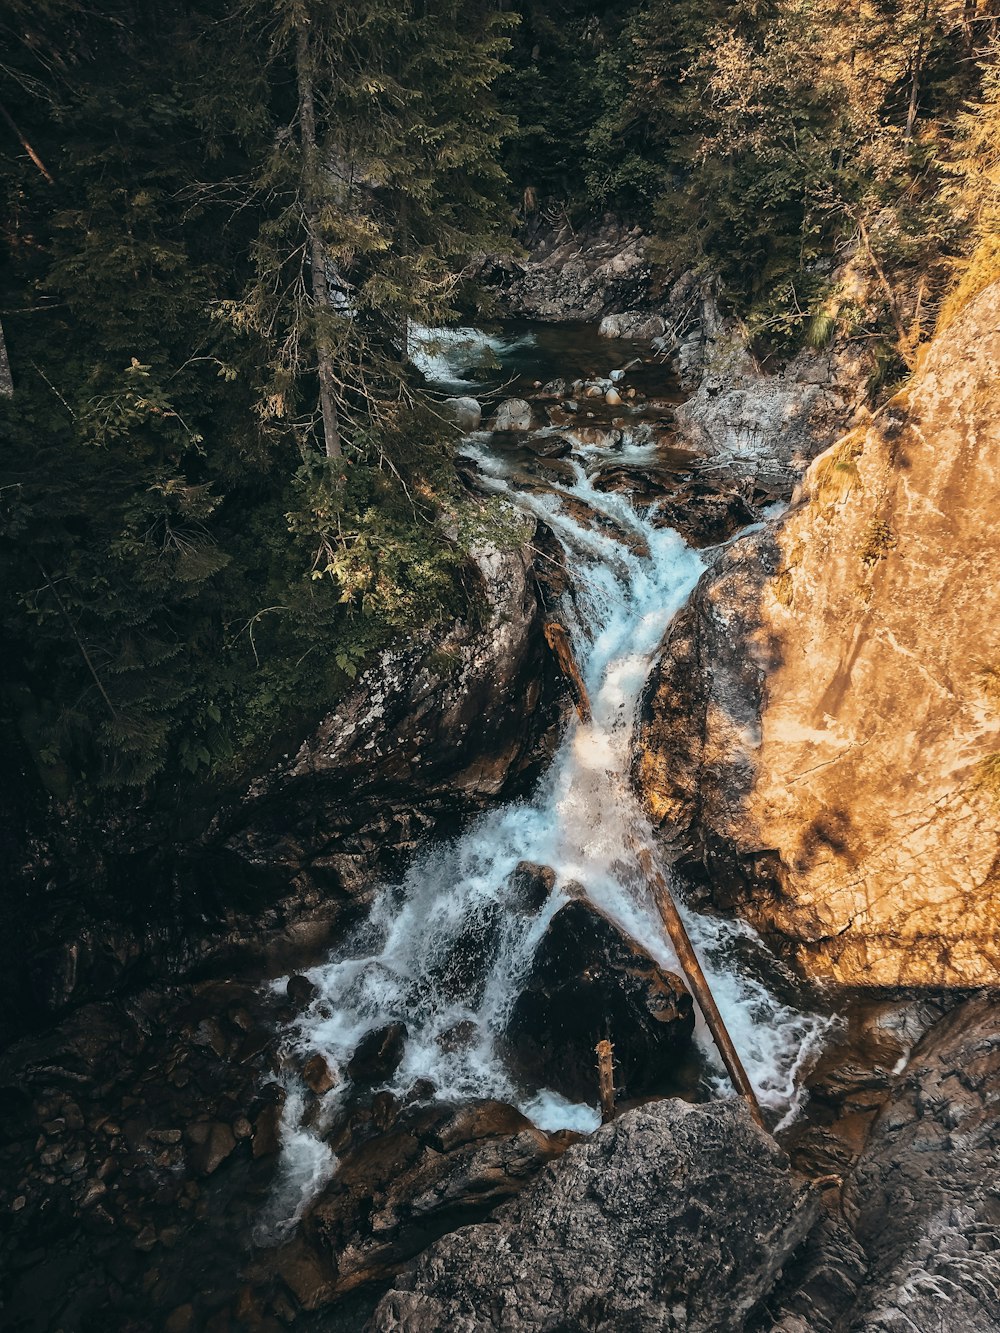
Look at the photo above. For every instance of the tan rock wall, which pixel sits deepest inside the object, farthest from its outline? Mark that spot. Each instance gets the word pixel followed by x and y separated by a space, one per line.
pixel 818 730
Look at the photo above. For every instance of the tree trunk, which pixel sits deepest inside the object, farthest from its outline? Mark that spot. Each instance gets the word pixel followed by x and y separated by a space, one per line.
pixel 918 69
pixel 6 378
pixel 696 979
pixel 317 250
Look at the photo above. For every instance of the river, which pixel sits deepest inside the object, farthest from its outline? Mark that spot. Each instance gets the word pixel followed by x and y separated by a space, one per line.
pixel 628 576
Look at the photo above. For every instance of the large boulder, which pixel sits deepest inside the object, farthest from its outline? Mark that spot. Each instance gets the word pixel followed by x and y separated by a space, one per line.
pixel 765 421
pixel 465 412
pixel 590 981
pixel 513 414
pixel 436 1168
pixel 673 1217
pixel 821 733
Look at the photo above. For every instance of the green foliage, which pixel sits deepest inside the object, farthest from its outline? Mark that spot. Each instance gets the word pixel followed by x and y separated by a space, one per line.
pixel 189 577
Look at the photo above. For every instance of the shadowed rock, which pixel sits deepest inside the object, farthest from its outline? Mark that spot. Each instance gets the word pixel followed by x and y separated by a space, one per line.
pixel 590 981
pixel 439 1167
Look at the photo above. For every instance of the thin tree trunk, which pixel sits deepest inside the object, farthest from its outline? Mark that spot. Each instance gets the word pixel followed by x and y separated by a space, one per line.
pixel 317 250
pixel 918 69
pixel 905 346
pixel 26 146
pixel 6 378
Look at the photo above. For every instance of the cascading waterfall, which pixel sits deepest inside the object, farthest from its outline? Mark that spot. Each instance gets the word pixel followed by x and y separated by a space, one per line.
pixel 629 577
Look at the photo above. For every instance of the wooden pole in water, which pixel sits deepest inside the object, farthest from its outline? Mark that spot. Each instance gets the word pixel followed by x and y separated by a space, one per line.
pixel 606 1080
pixel 697 980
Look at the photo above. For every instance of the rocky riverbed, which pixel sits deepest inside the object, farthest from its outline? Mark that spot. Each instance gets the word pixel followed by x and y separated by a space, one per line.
pixel 144 1136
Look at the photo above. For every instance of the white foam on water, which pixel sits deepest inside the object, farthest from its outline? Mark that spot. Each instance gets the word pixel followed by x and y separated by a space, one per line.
pixel 450 358
pixel 629 578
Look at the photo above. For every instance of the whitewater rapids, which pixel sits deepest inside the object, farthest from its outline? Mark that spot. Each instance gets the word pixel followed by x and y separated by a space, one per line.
pixel 629 578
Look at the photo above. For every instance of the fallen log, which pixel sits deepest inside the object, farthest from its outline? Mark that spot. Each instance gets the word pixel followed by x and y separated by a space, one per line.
pixel 696 979
pixel 558 640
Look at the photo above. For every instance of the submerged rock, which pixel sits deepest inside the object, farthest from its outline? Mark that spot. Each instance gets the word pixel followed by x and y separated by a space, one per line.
pixel 590 981
pixel 673 1217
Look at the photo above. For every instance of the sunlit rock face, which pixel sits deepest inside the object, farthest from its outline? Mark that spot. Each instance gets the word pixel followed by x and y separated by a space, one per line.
pixel 820 731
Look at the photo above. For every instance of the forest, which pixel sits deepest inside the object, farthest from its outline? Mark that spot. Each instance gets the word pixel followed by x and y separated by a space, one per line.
pixel 223 486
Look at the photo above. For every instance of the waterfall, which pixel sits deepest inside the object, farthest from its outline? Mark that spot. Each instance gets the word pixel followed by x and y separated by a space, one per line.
pixel 629 577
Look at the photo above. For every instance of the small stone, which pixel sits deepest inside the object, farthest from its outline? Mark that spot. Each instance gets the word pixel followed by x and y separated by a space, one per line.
pixel 242 1127
pixel 613 398
pixel 54 1127
pixel 210 1143
pixel 51 1155
pixel 18 1203
pixel 180 1320
pixel 146 1239
pixel 167 1136
pixel 93 1192
pixel 318 1075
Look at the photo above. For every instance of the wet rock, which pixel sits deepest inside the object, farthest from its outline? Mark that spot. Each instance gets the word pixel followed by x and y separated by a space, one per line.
pixel 438 1167
pixel 673 1217
pixel 531 885
pixel 922 1199
pixel 574 275
pixel 462 970
pixel 378 1054
pixel 513 414
pixel 553 389
pixel 707 515
pixel 598 437
pixel 613 398
pixel 458 1036
pixel 317 1075
pixel 267 1120
pixel 305 1274
pixel 210 1142
pixel 301 991
pixel 442 724
pixel 386 1107
pixel 589 981
pixel 548 446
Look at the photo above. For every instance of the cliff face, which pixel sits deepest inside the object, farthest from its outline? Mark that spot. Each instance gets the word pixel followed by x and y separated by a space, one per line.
pixel 820 729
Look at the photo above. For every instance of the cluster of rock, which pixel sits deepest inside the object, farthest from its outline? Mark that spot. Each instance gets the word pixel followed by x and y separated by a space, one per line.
pixel 567 276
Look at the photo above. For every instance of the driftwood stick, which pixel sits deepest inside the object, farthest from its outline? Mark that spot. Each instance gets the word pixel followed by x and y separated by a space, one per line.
pixel 558 640
pixel 697 980
pixel 606 1080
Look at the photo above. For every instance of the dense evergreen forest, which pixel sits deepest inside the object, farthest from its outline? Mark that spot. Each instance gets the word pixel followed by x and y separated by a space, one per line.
pixel 222 486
